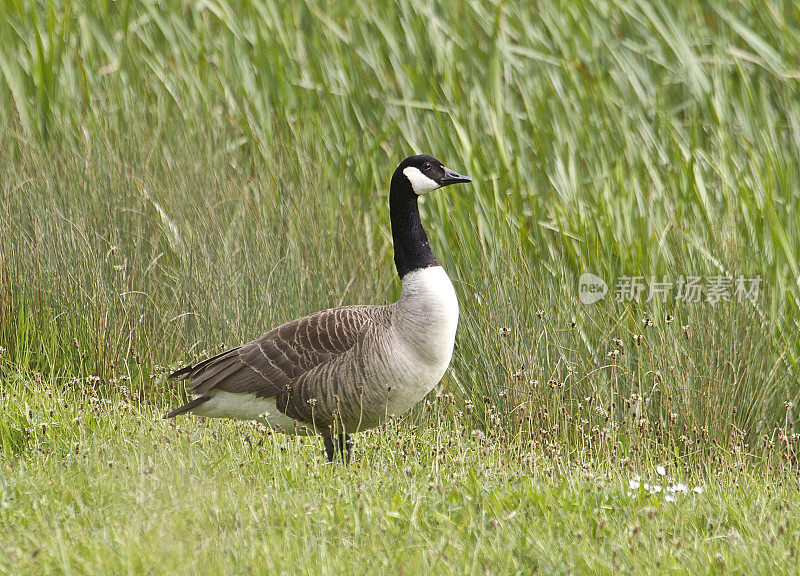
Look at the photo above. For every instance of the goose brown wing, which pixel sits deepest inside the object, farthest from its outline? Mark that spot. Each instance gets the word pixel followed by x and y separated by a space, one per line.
pixel 271 364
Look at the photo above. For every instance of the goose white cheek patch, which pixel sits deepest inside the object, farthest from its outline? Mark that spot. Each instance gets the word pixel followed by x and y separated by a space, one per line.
pixel 419 182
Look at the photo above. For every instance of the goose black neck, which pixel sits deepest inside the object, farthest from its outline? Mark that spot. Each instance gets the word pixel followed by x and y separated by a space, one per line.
pixel 412 250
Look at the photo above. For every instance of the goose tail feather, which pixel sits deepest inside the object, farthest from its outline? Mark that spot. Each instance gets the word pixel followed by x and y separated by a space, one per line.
pixel 191 405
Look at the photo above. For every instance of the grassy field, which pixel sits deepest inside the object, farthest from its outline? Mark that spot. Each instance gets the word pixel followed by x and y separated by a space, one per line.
pixel 178 178
pixel 104 487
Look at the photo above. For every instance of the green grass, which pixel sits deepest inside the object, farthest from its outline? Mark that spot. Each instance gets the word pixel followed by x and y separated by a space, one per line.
pixel 107 487
pixel 183 177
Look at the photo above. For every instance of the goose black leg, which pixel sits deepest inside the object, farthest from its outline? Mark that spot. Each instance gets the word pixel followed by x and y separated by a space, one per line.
pixel 342 448
pixel 329 449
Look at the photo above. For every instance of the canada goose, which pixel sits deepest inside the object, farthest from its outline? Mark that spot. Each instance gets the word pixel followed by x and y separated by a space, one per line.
pixel 346 369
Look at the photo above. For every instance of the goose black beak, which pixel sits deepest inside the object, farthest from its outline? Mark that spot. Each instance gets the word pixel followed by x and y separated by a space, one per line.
pixel 451 177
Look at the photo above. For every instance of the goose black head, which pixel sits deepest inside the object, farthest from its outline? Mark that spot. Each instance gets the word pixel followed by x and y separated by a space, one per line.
pixel 425 173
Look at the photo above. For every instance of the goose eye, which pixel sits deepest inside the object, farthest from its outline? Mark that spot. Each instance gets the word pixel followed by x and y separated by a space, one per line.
pixel 426 166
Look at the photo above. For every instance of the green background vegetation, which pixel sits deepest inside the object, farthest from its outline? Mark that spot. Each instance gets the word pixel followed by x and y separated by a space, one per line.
pixel 180 177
